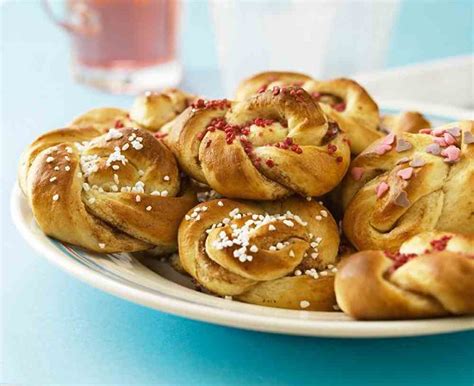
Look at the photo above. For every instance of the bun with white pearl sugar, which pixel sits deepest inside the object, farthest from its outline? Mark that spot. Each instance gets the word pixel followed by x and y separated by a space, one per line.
pixel 266 147
pixel 115 192
pixel 343 100
pixel 278 254
pixel 409 183
pixel 431 275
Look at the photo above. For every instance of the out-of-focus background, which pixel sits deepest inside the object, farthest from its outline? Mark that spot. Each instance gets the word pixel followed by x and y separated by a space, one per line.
pixel 55 329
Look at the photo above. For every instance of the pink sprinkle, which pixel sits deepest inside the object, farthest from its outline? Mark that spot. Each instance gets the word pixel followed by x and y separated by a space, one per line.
pixel 449 139
pixel 440 141
pixel 357 173
pixel 382 148
pixel 405 173
pixel 451 153
pixel 381 189
pixel 388 140
pixel 403 145
pixel 425 131
pixel 402 199
pixel 403 160
pixel 454 131
pixel 438 132
pixel 417 162
pixel 433 149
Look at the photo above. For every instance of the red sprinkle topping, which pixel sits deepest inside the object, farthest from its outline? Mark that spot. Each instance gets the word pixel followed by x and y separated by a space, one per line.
pixel 270 163
pixel 399 259
pixel 159 135
pixel 262 89
pixel 332 148
pixel 119 124
pixel 289 144
pixel 440 244
pixel 276 90
pixel 339 106
pixel 211 104
pixel 262 122
pixel 338 159
pixel 199 104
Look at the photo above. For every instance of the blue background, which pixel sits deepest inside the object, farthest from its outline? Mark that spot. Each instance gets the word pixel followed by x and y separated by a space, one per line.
pixel 56 329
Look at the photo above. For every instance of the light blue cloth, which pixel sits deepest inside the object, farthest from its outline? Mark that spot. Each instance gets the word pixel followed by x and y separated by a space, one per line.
pixel 58 330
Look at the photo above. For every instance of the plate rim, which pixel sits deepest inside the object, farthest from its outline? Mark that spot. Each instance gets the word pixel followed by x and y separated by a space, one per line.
pixel 245 320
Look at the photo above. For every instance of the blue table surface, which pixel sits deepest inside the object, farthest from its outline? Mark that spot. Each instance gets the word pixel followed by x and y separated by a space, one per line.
pixel 56 329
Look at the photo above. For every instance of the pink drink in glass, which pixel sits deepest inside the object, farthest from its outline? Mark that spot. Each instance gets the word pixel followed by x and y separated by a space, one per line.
pixel 124 45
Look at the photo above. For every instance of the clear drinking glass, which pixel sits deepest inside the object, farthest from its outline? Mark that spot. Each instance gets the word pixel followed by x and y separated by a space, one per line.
pixel 122 46
pixel 324 38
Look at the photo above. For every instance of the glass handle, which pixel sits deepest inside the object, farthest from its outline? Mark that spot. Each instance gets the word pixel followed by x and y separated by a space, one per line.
pixel 82 20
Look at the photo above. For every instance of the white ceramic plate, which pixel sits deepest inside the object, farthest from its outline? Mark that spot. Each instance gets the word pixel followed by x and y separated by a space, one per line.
pixel 161 288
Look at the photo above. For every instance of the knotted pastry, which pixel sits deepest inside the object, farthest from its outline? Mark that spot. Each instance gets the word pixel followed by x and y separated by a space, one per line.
pixel 102 119
pixel 269 146
pixel 152 110
pixel 342 100
pixel 432 275
pixel 279 254
pixel 405 122
pixel 410 183
pixel 114 192
pixel 149 111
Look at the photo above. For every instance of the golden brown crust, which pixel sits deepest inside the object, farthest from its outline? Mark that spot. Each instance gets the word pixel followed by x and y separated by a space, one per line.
pixel 290 291
pixel 342 100
pixel 50 139
pixel 153 110
pixel 102 118
pixel 435 283
pixel 266 147
pixel 285 247
pixel 395 191
pixel 97 194
pixel 267 80
pixel 405 122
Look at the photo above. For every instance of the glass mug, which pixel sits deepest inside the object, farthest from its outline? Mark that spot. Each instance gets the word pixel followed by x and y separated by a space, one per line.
pixel 122 46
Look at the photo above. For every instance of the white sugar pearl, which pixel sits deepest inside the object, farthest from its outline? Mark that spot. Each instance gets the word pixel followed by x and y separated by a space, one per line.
pixel 304 304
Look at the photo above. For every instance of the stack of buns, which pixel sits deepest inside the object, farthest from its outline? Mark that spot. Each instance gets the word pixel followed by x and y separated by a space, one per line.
pixel 296 194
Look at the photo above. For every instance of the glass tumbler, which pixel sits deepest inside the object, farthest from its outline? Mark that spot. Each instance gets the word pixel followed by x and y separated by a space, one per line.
pixel 122 46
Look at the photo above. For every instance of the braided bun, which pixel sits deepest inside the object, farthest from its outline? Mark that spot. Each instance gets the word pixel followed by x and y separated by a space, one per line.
pixel 430 276
pixel 276 254
pixel 267 147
